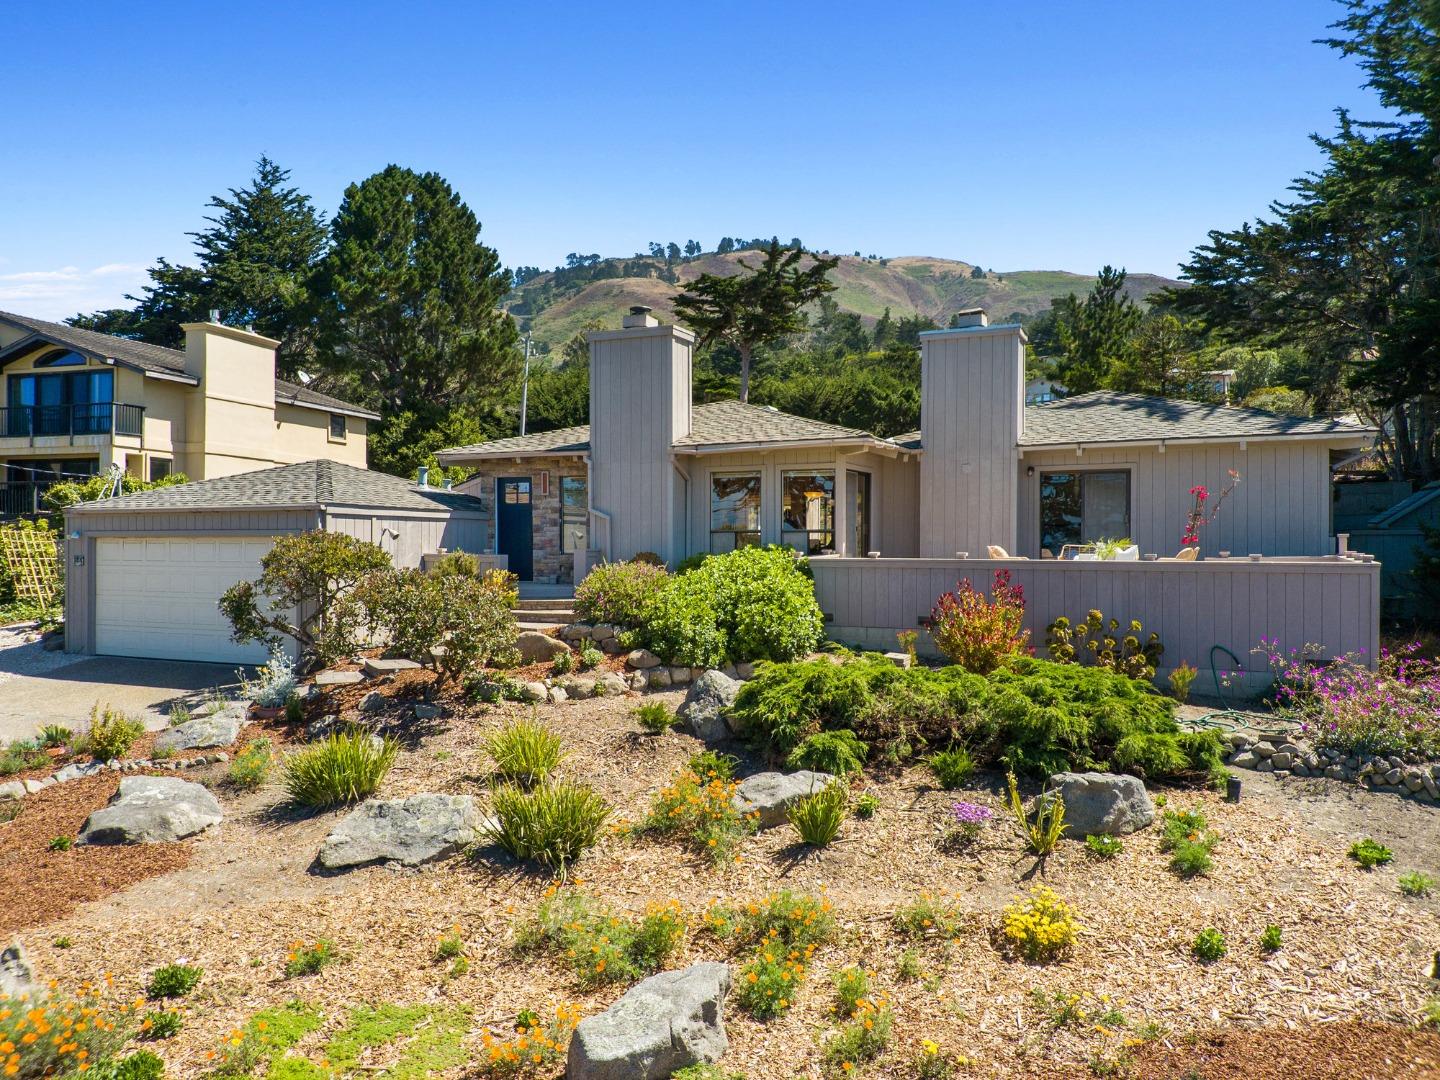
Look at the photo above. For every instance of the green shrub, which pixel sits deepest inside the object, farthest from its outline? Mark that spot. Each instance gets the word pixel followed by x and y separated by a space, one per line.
pixel 837 752
pixel 818 816
pixel 852 985
pixel 1370 853
pixel 692 562
pixel 1181 677
pixel 867 805
pixel 710 765
pixel 618 593
pixel 590 657
pixel 681 623
pixel 1414 883
pixel 55 735
pixel 172 981
pixel 525 752
pixel 310 959
pixel 141 1065
pixel 785 929
pixel 655 717
pixel 764 602
pixel 603 947
pixel 952 768
pixel 274 684
pixel 553 825
pixel 22 755
pixel 1043 833
pixel 61 843
pixel 161 1024
pixel 251 766
pixel 1113 644
pixel 111 733
pixel 1270 939
pixel 344 767
pixel 563 663
pixel 1104 846
pixel 1187 836
pixel 863 1039
pixel 1209 945
pixel 454 622
pixel 486 688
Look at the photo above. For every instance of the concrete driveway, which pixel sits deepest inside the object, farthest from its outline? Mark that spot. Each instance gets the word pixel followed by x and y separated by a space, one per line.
pixel 39 688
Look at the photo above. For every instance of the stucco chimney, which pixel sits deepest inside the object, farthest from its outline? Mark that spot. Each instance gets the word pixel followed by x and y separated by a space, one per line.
pixel 233 413
pixel 972 413
pixel 639 409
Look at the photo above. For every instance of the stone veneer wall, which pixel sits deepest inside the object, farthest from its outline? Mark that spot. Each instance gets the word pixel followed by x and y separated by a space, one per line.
pixel 551 565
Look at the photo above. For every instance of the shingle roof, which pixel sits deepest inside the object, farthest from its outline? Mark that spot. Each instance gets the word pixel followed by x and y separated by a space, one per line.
pixel 165 361
pixel 720 424
pixel 1407 506
pixel 1105 416
pixel 310 483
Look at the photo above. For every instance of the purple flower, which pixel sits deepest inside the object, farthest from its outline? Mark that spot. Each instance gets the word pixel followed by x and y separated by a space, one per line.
pixel 966 813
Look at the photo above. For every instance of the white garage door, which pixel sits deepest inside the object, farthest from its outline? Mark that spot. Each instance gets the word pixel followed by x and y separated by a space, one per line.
pixel 156 597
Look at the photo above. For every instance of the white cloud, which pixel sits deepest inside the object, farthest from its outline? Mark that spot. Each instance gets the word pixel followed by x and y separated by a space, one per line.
pixel 56 294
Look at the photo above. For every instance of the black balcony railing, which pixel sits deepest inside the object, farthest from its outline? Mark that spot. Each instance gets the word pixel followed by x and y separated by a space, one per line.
pixel 22 499
pixel 103 418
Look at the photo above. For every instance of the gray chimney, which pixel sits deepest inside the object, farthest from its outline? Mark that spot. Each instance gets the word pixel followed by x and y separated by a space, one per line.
pixel 970 317
pixel 639 316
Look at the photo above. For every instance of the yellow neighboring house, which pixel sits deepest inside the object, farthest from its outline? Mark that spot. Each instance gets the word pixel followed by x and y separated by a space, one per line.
pixel 75 401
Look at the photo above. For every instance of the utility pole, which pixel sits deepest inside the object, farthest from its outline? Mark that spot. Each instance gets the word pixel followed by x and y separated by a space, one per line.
pixel 525 384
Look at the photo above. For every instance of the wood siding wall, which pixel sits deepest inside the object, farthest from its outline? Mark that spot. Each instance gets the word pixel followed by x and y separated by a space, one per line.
pixel 80 554
pixel 639 405
pixel 1280 507
pixel 408 537
pixel 1192 605
pixel 972 396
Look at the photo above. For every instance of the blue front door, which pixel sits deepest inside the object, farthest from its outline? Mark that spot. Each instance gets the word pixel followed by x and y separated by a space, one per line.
pixel 514 522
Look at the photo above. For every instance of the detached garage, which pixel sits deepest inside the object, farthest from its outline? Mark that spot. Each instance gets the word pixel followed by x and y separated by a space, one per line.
pixel 144 572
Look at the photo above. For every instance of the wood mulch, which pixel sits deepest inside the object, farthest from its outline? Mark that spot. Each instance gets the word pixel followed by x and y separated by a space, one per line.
pixel 1349 983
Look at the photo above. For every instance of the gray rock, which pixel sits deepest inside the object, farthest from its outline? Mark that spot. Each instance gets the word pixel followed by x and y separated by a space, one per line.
pixel 201 733
pixel 1245 759
pixel 375 668
pixel 557 696
pixel 770 794
pixel 537 648
pixel 426 712
pixel 703 710
pixel 152 810
pixel 1265 765
pixel 1414 783
pixel 612 682
pixel 1301 769
pixel 11 789
pixel 643 659
pixel 33 786
pixel 374 701
pixel 16 976
pixel 1282 759
pixel 1104 803
pixel 1240 741
pixel 639 680
pixel 664 1023
pixel 1336 772
pixel 1394 776
pixel 1289 748
pixel 611 646
pixel 658 678
pixel 1431 787
pixel 679 676
pixel 410 831
pixel 576 686
pixel 339 678
pixel 899 659
pixel 1281 774
pixel 76 769
pixel 744 671
pixel 1263 749
pixel 533 691
pixel 602 632
pixel 322 727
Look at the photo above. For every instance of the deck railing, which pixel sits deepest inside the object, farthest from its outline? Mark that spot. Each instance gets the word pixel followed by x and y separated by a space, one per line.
pixel 1209 613
pixel 100 418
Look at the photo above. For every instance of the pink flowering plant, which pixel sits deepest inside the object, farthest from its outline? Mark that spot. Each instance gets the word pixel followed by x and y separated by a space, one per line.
pixel 1345 705
pixel 1202 511
pixel 979 632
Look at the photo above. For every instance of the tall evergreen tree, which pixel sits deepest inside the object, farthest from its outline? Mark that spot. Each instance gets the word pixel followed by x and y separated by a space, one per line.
pixel 1095 332
pixel 759 306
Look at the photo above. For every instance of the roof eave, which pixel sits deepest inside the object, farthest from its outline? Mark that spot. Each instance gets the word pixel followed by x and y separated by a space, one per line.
pixel 1356 437
pixel 783 444
pixel 338 410
pixel 466 457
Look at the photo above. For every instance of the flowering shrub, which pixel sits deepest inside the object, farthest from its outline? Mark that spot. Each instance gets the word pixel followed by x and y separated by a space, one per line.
pixel 864 1039
pixel 603 947
pixel 1041 928
pixel 617 593
pixel 964 824
pixel 532 1048
pixel 786 929
pixel 979 633
pixel 50 1035
pixel 700 808
pixel 930 915
pixel 1199 515
pixel 1344 705
pixel 267 1035
pixel 274 684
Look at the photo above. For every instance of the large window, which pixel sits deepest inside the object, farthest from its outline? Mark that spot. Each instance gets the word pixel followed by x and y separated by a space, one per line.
pixel 734 511
pixel 1081 507
pixel 574 514
pixel 68 403
pixel 809 512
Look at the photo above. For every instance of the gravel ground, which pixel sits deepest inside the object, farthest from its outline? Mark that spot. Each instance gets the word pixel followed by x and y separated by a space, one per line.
pixel 21 654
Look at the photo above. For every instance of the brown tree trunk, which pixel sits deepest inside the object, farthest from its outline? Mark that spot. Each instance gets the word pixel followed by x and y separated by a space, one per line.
pixel 745 355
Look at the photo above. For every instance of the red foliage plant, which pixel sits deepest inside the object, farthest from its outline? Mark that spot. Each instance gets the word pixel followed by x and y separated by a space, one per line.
pixel 981 633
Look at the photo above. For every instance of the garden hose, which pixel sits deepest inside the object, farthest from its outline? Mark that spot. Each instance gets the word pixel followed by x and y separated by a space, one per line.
pixel 1228 721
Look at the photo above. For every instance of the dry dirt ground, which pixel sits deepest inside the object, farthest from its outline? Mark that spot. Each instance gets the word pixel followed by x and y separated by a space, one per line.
pixel 1341 998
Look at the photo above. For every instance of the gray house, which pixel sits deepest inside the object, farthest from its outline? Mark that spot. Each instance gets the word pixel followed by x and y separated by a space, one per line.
pixel 654 473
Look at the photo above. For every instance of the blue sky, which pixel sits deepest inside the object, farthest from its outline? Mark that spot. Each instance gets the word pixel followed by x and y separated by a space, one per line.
pixel 1023 135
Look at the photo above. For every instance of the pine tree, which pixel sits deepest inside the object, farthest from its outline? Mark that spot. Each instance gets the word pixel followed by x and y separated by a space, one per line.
pixel 1095 332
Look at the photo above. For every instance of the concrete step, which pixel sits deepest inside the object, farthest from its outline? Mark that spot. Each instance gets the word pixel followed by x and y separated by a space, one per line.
pixel 539 627
pixel 536 604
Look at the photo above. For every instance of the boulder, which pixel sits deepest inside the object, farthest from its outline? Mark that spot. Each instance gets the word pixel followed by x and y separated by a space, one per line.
pixel 1244 759
pixel 576 686
pixel 557 696
pixel 643 659
pixel 537 648
pixel 375 668
pixel 533 691
pixel 339 678
pixel 11 789
pixel 744 670
pixel 427 712
pixel 1104 803
pixel 374 701
pixel 611 646
pixel 152 810
pixel 76 769
pixel 1282 759
pixel 201 733
pixel 16 976
pixel 410 831
pixel 658 678
pixel 639 680
pixel 662 1024
pixel 601 632
pixel 323 727
pixel 770 794
pixel 703 710
pixel 679 676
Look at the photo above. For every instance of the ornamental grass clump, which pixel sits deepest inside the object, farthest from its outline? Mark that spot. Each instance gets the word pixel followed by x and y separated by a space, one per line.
pixel 981 633
pixel 818 816
pixel 344 767
pixel 655 717
pixel 699 807
pixel 952 768
pixel 525 752
pixel 1043 833
pixel 1040 928
pixel 1344 705
pixel 553 825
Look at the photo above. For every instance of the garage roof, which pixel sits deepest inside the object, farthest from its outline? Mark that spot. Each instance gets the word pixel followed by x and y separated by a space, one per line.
pixel 309 484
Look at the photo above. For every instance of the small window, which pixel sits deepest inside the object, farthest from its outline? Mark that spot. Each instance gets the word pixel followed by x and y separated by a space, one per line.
pixel 61 359
pixel 160 468
pixel 337 427
pixel 574 514
pixel 734 511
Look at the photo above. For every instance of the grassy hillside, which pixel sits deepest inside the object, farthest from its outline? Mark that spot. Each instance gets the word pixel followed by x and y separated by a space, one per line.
pixel 561 305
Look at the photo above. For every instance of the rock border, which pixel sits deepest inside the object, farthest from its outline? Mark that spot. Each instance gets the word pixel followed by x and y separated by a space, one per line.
pixel 1390 774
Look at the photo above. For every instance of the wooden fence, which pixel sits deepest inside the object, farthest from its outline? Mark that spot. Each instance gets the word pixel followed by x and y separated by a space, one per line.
pixel 1194 606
